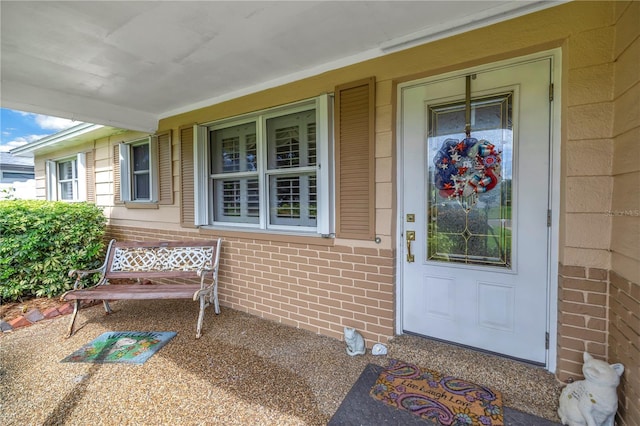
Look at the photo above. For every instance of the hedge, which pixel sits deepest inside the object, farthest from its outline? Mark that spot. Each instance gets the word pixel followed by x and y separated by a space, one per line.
pixel 41 241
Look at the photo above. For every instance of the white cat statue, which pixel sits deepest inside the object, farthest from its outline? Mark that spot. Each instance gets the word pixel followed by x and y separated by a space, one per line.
pixel 354 341
pixel 592 401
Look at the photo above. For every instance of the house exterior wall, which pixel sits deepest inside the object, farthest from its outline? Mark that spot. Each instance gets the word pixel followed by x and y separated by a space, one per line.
pixel 624 292
pixel 325 284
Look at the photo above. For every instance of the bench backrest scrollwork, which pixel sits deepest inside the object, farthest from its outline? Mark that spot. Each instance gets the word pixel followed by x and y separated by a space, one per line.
pixel 160 259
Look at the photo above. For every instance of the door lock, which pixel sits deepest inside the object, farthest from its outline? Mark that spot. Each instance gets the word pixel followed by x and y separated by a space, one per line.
pixel 411 236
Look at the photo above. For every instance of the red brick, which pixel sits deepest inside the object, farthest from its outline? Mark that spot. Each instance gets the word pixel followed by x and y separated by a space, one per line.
pixel 585 285
pixel 597 324
pixel 576 320
pixel 598 274
pixel 597 349
pixel 51 312
pixel 578 308
pixel 67 308
pixel 597 299
pixel 573 296
pixel 19 322
pixel 573 271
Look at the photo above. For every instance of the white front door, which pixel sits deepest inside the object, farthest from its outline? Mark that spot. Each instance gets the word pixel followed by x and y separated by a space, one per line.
pixel 475 270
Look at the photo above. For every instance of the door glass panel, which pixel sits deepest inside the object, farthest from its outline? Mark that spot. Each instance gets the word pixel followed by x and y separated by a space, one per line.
pixel 469 188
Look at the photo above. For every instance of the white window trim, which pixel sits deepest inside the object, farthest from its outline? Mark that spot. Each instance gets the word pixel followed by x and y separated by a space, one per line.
pixel 203 205
pixel 201 181
pixel 80 189
pixel 126 170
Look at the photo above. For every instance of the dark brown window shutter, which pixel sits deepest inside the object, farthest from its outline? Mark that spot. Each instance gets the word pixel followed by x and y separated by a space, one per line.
pixel 355 159
pixel 187 209
pixel 90 171
pixel 165 174
pixel 116 174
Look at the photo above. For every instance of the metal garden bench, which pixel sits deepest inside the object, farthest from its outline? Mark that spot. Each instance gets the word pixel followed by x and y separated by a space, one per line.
pixel 153 260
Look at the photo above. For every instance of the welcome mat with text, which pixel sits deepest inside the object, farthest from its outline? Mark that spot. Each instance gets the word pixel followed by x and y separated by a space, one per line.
pixel 131 347
pixel 443 400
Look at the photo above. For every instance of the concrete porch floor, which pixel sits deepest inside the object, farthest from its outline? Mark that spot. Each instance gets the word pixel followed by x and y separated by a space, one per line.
pixel 244 370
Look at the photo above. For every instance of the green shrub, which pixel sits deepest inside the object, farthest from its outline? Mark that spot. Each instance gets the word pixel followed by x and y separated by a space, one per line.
pixel 41 241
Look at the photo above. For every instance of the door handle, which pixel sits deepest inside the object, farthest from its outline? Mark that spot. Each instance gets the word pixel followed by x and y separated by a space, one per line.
pixel 411 236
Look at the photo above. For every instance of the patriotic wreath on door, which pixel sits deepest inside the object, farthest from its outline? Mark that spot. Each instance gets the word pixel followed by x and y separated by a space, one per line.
pixel 466 168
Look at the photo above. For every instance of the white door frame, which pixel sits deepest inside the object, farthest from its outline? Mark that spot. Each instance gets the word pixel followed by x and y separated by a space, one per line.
pixel 554 191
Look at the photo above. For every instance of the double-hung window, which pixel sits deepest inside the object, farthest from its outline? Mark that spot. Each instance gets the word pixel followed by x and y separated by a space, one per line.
pixel 137 171
pixel 269 170
pixel 66 179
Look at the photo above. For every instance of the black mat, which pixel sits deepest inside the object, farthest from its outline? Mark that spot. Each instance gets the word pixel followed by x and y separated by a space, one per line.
pixel 359 408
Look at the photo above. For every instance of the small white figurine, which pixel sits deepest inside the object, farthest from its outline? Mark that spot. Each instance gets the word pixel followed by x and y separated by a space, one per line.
pixel 592 401
pixel 354 341
pixel 379 349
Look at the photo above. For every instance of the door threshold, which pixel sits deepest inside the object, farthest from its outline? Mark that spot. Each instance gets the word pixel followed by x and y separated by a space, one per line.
pixel 474 349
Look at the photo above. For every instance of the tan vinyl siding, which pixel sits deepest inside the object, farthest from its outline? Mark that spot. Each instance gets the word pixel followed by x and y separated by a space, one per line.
pixel 165 174
pixel 187 210
pixel 116 174
pixel 355 161
pixel 91 175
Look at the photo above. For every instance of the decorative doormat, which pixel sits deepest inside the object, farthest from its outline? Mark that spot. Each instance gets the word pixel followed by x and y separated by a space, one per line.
pixel 443 400
pixel 129 347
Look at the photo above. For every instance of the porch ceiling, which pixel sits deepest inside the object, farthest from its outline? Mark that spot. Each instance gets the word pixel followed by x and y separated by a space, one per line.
pixel 128 64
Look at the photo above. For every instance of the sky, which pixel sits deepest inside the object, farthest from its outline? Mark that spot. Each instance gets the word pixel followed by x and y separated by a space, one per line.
pixel 20 128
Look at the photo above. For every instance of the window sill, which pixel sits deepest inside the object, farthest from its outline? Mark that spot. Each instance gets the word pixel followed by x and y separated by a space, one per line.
pixel 140 205
pixel 283 237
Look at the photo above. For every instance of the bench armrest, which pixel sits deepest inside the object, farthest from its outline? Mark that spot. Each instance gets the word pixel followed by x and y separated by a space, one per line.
pixel 81 273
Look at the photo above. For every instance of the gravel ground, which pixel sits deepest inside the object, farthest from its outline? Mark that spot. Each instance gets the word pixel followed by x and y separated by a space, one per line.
pixel 244 370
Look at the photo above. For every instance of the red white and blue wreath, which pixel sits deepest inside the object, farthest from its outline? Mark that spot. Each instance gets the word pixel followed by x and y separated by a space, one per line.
pixel 466 168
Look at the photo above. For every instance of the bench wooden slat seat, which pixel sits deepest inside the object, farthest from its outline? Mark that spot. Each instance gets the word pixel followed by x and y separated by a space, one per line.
pixel 136 291
pixel 147 260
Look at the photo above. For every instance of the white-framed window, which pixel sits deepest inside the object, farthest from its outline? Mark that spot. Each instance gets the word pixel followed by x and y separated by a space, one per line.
pixel 138 171
pixel 66 179
pixel 270 170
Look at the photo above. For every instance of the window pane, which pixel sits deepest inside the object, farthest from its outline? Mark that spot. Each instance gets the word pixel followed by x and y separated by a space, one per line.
pixel 293 200
pixel 66 190
pixel 234 149
pixel 292 140
pixel 66 170
pixel 17 175
pixel 140 157
pixel 236 200
pixel 141 186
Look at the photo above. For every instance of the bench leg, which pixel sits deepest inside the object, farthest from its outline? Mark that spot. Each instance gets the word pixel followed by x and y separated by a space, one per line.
pixel 200 316
pixel 107 308
pixel 214 298
pixel 76 308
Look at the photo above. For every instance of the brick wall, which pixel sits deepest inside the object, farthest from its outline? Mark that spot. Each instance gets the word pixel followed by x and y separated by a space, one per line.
pixel 624 346
pixel 314 287
pixel 582 306
pixel 598 311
